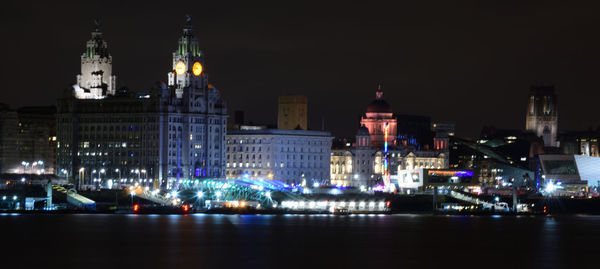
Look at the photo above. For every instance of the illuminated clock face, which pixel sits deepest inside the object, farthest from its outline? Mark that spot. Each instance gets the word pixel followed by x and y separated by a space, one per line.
pixel 197 69
pixel 180 68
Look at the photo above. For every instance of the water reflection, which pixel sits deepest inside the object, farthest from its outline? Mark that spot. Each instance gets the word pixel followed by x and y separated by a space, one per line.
pixel 249 241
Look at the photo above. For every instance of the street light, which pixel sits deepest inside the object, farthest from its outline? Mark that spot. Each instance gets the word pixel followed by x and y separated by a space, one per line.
pixel 40 162
pixel 145 174
pixel 132 193
pixel 119 171
pixel 102 171
pixel 137 171
pixel 64 171
pixel 25 165
pixel 81 176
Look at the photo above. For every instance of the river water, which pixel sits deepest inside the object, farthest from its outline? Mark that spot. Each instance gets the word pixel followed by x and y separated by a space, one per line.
pixel 298 241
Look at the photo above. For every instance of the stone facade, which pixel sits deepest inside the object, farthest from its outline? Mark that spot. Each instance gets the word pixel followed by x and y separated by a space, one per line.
pixel 292 156
pixel 542 114
pixel 158 137
pixel 363 165
pixel 378 118
pixel 96 80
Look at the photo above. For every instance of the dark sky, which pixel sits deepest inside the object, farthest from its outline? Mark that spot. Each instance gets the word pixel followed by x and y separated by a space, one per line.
pixel 471 62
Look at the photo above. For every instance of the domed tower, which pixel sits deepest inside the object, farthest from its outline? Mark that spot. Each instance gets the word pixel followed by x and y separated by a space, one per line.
pixel 363 138
pixel 96 79
pixel 379 112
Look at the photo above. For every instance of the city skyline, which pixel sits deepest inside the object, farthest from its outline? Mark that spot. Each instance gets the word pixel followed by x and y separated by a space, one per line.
pixel 258 53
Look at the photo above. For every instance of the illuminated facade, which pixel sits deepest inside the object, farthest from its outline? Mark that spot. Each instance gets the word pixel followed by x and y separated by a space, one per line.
pixel 158 137
pixel 542 114
pixel 375 157
pixel 364 165
pixel 379 114
pixel 291 156
pixel 96 80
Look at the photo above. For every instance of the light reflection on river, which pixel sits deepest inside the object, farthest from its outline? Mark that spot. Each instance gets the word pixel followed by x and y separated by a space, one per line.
pixel 297 241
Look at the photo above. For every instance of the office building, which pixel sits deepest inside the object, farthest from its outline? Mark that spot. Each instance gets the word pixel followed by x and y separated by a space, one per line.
pixel 174 131
pixel 291 156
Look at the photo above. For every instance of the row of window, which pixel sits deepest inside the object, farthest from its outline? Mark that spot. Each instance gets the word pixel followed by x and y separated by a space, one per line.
pixel 306 174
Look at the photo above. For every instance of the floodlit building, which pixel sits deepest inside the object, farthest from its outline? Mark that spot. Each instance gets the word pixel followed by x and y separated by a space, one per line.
pixel 363 163
pixel 96 79
pixel 158 137
pixel 291 156
pixel 565 171
pixel 380 119
pixel 542 114
pixel 27 140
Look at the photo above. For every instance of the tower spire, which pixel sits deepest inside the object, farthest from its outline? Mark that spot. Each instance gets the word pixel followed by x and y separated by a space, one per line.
pixel 379 92
pixel 187 30
pixel 96 25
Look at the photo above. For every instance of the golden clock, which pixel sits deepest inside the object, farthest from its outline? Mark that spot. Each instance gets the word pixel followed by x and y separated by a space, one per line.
pixel 197 69
pixel 180 68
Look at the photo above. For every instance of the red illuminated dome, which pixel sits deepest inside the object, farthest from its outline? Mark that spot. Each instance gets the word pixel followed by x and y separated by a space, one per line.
pixel 379 106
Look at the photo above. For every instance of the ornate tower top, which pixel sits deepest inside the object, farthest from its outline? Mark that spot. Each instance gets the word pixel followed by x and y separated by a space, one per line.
pixel 379 105
pixel 97 24
pixel 96 79
pixel 379 92
pixel 188 43
pixel 96 45
pixel 188 62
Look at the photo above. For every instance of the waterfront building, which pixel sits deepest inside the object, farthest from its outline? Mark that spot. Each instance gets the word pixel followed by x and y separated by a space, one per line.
pixel 564 173
pixel 9 128
pixel 27 140
pixel 379 115
pixel 542 114
pixel 580 143
pixel 174 131
pixel 498 157
pixel 292 112
pixel 363 163
pixel 291 156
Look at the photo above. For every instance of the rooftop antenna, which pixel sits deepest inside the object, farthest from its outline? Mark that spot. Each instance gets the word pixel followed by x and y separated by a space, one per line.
pixel 97 24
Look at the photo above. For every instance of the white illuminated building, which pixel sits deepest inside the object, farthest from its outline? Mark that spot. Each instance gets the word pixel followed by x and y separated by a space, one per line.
pixel 96 80
pixel 292 156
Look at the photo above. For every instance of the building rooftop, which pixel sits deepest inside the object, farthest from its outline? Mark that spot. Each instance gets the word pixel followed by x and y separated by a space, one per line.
pixel 279 132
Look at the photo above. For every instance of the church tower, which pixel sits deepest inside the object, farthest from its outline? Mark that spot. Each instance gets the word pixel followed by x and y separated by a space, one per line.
pixel 542 114
pixel 188 63
pixel 96 79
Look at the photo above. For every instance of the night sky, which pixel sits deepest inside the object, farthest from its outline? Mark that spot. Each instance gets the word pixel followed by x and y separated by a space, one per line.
pixel 472 63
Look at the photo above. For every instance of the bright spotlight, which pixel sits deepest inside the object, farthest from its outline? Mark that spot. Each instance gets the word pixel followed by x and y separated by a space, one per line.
pixel 550 187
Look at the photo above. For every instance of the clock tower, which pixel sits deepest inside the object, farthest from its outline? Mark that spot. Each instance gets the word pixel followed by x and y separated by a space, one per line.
pixel 188 63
